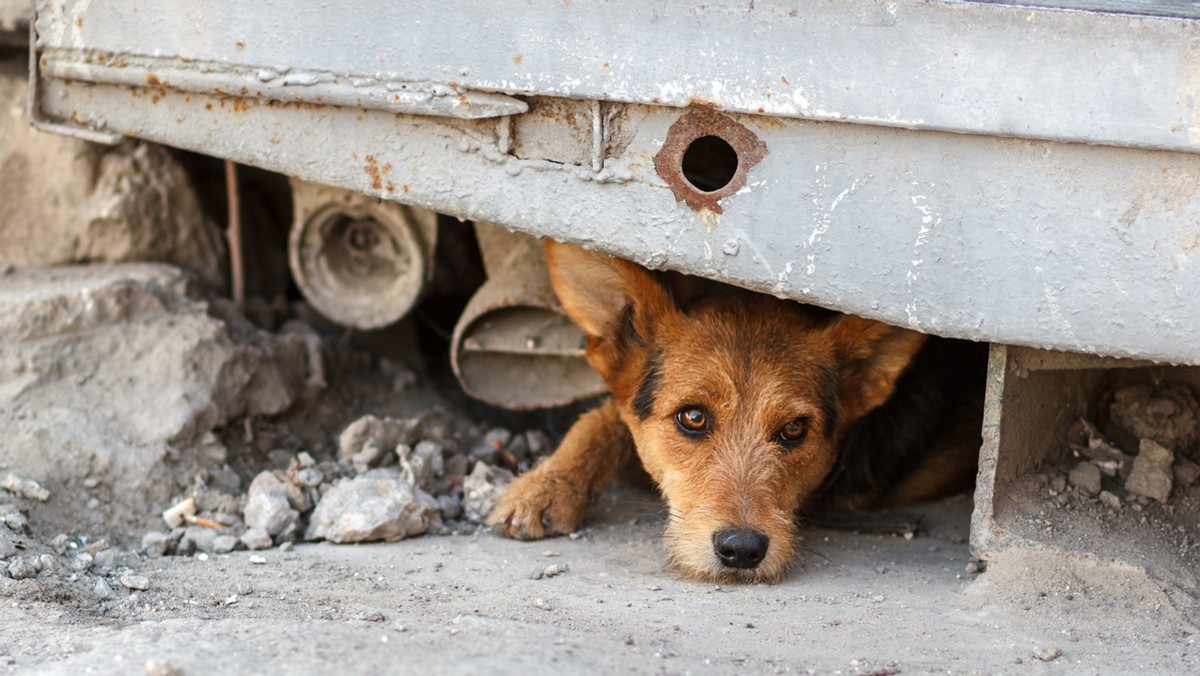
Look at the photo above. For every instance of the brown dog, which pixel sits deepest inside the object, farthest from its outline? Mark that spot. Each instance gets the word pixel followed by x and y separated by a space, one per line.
pixel 744 409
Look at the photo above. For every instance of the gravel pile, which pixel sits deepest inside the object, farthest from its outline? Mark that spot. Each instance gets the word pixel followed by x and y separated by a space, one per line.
pixel 1146 456
pixel 385 479
pixel 82 568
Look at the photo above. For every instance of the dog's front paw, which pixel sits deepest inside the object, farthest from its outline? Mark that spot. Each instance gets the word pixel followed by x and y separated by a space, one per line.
pixel 539 504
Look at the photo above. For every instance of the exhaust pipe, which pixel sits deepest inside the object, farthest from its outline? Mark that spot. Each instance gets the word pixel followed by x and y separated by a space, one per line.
pixel 360 261
pixel 513 346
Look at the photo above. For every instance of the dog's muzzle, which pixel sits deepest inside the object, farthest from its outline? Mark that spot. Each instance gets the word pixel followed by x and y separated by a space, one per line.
pixel 740 548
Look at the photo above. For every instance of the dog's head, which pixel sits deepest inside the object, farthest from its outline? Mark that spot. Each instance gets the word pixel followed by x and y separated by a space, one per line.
pixel 736 402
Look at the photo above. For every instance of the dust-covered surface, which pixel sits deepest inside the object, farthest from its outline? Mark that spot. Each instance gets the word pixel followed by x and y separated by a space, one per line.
pixel 1128 494
pixel 475 603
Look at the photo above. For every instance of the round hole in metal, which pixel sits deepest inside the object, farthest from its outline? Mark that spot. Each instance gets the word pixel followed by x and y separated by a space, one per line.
pixel 709 163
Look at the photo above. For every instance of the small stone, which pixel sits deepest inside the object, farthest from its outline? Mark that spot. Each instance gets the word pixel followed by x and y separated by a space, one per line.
pixel 451 506
pixel 421 464
pixel 1085 477
pixel 256 538
pixel 13 518
pixel 26 488
pixel 176 515
pixel 245 588
pixel 268 506
pixel 61 543
pixel 1048 654
pixel 257 560
pixel 483 489
pixel 541 604
pixel 198 538
pixel 555 569
pixel 82 562
pixel 103 591
pixel 371 442
pixel 49 564
pixel 1151 476
pixel 109 558
pixel 537 574
pixel 1110 500
pixel 973 568
pixel 310 477
pixel 378 505
pixel 223 544
pixel 24 567
pixel 287 546
pixel 1058 483
pixel 456 465
pixel 156 543
pixel 1186 472
pixel 138 582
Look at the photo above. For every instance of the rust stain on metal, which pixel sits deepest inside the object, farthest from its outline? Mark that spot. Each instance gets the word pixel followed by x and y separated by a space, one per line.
pixel 241 105
pixel 697 102
pixel 697 124
pixel 377 171
pixel 153 81
pixel 299 105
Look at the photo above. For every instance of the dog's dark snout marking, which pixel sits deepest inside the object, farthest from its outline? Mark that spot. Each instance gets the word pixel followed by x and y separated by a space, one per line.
pixel 740 548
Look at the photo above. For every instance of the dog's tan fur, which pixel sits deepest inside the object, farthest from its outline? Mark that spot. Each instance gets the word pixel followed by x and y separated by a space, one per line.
pixel 751 365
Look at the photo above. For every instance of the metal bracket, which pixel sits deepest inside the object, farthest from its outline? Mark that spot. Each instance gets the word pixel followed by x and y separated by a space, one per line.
pixel 33 107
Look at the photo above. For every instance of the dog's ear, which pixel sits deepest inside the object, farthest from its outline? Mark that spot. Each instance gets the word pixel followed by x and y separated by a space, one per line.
pixel 873 355
pixel 615 302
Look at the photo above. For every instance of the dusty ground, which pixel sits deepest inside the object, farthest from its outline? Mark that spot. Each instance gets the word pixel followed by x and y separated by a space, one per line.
pixel 467 604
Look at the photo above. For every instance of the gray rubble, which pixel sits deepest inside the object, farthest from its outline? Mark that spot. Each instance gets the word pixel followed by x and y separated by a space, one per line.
pixel 124 370
pixel 482 489
pixel 378 505
pixel 1151 476
pixel 256 538
pixel 1086 477
pixel 268 506
pixel 1167 413
pixel 371 442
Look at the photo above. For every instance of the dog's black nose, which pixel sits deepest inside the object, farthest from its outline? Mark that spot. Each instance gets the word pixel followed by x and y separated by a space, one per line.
pixel 740 548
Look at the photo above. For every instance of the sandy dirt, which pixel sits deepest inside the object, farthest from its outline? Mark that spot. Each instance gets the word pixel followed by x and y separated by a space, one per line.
pixel 861 604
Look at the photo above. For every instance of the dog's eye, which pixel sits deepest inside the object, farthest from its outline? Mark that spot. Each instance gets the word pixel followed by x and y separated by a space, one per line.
pixel 794 432
pixel 692 421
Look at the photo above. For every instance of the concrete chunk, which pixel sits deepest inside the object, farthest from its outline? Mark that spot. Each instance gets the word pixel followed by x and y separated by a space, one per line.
pixel 378 505
pixel 1151 476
